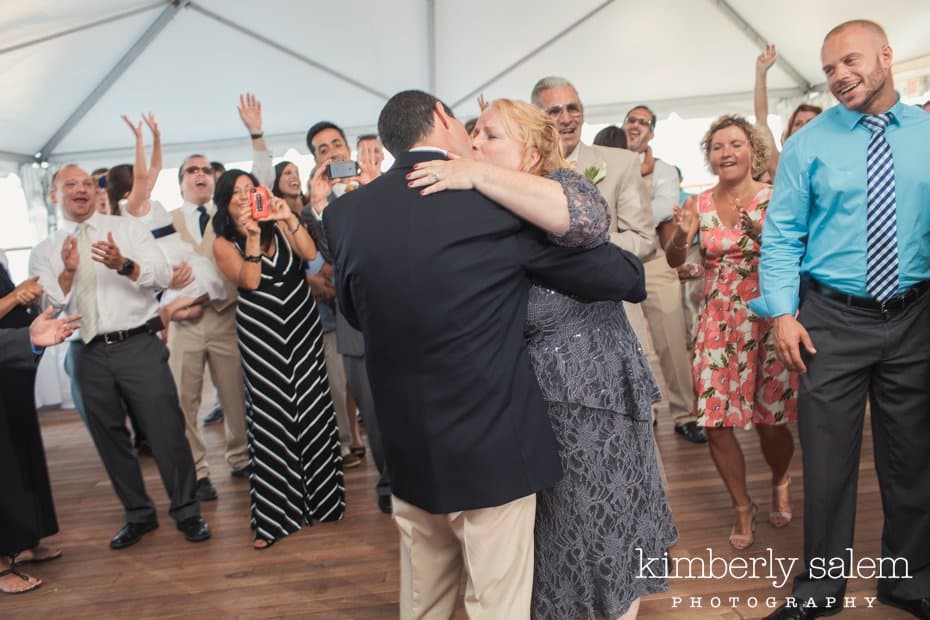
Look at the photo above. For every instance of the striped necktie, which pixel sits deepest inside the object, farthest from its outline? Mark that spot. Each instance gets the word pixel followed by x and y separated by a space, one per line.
pixel 85 285
pixel 882 228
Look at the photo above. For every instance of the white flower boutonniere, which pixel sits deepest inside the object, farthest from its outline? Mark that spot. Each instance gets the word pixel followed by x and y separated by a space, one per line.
pixel 597 173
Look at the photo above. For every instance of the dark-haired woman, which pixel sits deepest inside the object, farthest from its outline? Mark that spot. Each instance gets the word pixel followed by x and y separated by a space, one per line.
pixel 27 513
pixel 293 442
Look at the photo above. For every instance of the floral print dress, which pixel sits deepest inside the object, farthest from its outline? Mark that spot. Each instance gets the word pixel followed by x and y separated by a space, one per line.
pixel 738 379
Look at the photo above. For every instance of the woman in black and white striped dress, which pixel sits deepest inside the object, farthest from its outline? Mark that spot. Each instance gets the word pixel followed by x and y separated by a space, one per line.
pixel 293 440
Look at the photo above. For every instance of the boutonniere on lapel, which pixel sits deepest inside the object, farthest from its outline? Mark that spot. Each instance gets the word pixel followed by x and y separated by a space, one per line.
pixel 597 173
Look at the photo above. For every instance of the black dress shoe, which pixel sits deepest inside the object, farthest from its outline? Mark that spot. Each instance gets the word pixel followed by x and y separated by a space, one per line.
pixel 214 416
pixel 798 612
pixel 131 533
pixel 692 432
pixel 205 491
pixel 195 529
pixel 917 607
pixel 243 473
pixel 384 503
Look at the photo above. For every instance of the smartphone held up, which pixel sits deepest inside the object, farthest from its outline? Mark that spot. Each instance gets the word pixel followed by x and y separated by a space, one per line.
pixel 260 203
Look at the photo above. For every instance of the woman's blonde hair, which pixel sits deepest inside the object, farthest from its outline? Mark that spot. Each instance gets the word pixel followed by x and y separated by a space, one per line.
pixel 758 145
pixel 534 129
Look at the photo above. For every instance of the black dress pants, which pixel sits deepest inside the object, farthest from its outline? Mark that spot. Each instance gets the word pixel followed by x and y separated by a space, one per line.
pixel 861 354
pixel 136 371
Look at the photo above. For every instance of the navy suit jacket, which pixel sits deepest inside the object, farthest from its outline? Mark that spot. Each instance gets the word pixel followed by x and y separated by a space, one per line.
pixel 438 286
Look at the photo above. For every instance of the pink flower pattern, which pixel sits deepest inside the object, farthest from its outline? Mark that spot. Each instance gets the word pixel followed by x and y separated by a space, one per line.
pixel 738 379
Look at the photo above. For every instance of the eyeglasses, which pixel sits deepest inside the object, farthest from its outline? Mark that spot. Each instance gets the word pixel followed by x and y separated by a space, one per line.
pixel 575 109
pixel 195 169
pixel 642 122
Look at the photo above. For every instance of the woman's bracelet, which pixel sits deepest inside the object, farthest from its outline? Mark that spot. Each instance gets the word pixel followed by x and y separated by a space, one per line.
pixel 296 228
pixel 257 258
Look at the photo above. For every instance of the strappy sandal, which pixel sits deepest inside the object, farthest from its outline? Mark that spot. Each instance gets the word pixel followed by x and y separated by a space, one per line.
pixel 780 515
pixel 34 582
pixel 744 541
pixel 261 544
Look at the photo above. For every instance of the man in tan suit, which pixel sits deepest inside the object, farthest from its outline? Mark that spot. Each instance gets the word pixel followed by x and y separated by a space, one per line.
pixel 663 305
pixel 631 225
pixel 210 339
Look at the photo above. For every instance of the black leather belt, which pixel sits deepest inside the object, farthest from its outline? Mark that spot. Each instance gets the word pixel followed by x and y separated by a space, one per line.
pixel 149 327
pixel 892 306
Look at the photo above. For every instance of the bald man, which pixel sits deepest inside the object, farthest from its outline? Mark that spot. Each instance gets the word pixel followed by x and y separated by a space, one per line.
pixel 849 217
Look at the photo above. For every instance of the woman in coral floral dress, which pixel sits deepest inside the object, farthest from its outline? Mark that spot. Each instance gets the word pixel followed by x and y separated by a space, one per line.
pixel 738 379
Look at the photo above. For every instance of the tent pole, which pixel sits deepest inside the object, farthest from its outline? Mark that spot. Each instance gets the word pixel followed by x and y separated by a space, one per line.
pixel 533 53
pixel 286 50
pixel 124 63
pixel 756 37
pixel 75 29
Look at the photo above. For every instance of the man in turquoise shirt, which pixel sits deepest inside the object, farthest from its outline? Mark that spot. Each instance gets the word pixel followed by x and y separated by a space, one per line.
pixel 850 217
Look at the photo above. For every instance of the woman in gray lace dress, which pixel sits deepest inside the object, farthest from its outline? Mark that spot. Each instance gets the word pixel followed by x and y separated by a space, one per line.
pixel 610 510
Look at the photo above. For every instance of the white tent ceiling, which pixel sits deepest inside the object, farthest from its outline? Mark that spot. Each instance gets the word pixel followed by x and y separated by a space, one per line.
pixel 71 67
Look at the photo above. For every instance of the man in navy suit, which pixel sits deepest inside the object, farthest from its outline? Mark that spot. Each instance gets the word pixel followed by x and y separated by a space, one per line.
pixel 438 286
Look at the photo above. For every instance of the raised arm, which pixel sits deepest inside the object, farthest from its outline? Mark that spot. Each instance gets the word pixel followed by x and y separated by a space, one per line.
pixel 250 113
pixel 244 271
pixel 155 163
pixel 764 62
pixel 137 202
pixel 296 234
pixel 685 222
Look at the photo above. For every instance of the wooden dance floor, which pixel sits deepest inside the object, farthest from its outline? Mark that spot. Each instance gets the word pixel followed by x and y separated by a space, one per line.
pixel 349 570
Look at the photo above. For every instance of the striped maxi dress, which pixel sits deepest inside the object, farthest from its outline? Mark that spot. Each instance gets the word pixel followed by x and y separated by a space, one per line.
pixel 290 421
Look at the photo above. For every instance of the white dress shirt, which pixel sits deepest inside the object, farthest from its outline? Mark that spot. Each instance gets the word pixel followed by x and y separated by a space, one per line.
pixel 664 190
pixel 192 218
pixel 121 303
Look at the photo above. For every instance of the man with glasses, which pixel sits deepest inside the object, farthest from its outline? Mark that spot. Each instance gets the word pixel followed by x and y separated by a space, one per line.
pixel 615 172
pixel 663 306
pixel 631 225
pixel 210 339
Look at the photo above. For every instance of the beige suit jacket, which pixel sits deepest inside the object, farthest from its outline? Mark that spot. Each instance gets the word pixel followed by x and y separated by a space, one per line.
pixel 631 223
pixel 205 249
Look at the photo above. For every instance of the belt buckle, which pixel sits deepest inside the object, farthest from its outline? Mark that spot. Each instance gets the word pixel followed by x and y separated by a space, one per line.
pixel 113 337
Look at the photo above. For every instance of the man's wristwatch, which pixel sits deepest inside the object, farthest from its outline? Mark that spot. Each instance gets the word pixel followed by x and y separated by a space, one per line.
pixel 127 267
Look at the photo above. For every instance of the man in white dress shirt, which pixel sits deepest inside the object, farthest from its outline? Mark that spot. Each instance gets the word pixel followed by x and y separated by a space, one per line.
pixel 663 306
pixel 108 268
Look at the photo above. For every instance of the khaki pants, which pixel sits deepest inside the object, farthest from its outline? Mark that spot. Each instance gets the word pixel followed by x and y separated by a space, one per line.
pixel 335 372
pixel 664 313
pixel 495 547
pixel 210 340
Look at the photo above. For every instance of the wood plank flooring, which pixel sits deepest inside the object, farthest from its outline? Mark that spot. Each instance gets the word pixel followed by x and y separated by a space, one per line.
pixel 348 570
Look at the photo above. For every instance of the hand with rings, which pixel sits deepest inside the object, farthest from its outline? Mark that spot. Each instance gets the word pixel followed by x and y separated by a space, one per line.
pixel 439 174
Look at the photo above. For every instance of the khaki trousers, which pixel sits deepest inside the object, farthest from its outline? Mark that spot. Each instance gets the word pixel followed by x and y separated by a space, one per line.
pixel 210 340
pixel 335 372
pixel 495 547
pixel 664 314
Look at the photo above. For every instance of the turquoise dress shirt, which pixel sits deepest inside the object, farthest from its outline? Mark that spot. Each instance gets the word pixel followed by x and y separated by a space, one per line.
pixel 816 222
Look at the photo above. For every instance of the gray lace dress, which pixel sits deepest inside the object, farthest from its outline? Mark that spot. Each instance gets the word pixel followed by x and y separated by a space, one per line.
pixel 611 505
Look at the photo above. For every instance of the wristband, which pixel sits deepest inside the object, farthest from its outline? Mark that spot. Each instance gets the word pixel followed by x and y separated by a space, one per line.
pixel 257 258
pixel 256 136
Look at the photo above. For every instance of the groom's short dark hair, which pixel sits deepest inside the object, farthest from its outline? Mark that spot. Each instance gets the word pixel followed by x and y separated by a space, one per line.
pixel 406 119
